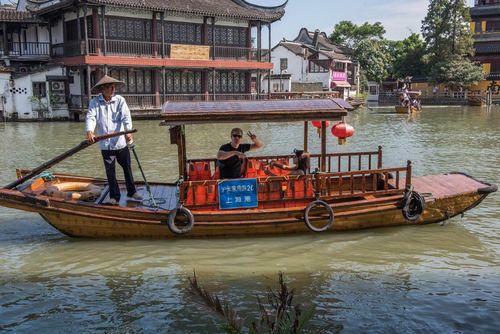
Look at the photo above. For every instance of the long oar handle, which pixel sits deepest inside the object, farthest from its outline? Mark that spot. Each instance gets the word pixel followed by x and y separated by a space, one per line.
pixel 84 144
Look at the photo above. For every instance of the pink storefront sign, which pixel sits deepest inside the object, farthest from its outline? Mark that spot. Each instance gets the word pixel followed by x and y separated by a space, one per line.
pixel 339 76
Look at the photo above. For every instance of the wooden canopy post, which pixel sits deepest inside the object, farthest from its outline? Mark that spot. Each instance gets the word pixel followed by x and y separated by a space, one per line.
pixel 408 174
pixel 178 137
pixel 323 146
pixel 306 133
pixel 379 157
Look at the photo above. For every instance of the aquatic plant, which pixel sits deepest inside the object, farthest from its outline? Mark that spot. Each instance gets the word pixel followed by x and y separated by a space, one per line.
pixel 278 315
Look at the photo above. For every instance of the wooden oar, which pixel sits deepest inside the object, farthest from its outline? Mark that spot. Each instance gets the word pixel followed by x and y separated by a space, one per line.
pixel 84 144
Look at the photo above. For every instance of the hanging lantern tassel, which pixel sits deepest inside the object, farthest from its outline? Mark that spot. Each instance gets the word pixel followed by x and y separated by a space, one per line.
pixel 317 125
pixel 342 131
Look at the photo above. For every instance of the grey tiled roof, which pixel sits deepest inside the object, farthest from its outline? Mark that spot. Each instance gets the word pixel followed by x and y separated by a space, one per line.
pixel 238 9
pixel 12 15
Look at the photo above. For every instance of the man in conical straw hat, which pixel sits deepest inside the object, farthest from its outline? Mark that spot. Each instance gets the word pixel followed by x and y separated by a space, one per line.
pixel 109 113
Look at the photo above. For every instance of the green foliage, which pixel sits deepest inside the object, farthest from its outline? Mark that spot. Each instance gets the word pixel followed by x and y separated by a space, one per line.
pixel 278 315
pixel 450 44
pixel 375 58
pixel 408 57
pixel 367 46
pixel 349 34
pixel 456 73
pixel 446 29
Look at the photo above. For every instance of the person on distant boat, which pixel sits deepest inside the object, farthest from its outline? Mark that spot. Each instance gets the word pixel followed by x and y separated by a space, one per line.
pixel 109 113
pixel 301 161
pixel 231 155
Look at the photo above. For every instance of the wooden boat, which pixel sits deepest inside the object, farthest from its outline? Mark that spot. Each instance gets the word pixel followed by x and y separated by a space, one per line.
pixel 349 191
pixel 476 101
pixel 405 110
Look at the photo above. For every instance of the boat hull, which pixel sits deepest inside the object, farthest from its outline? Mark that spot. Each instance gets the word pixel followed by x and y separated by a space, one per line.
pixel 405 110
pixel 445 196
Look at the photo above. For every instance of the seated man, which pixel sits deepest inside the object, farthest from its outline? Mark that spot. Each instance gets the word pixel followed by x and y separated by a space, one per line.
pixel 231 155
pixel 301 160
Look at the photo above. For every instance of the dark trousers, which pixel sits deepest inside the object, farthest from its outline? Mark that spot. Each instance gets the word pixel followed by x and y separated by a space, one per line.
pixel 123 158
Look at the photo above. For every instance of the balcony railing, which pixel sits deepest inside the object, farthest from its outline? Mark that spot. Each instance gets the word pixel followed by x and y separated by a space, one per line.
pixel 151 49
pixel 27 49
pixel 155 101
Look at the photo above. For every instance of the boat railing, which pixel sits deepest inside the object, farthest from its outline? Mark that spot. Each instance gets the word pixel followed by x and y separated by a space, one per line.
pixel 363 182
pixel 288 189
pixel 335 162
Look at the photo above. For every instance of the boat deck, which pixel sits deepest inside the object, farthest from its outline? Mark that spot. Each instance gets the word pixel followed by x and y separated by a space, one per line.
pixel 165 193
pixel 444 185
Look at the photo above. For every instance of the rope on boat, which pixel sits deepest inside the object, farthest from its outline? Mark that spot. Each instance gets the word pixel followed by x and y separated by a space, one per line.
pixel 328 208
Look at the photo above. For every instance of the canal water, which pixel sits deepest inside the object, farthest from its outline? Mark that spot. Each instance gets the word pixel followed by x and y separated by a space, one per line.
pixel 442 278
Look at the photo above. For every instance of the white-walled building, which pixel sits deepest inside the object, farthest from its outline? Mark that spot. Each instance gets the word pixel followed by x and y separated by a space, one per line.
pixel 313 61
pixel 162 50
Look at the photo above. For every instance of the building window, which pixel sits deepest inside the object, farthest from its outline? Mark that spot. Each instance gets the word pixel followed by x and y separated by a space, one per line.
pixel 228 36
pixel 283 63
pixel 182 33
pixel 39 89
pixel 339 67
pixel 492 26
pixel 319 66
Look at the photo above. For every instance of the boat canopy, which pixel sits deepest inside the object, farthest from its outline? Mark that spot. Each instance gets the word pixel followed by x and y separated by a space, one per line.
pixel 179 113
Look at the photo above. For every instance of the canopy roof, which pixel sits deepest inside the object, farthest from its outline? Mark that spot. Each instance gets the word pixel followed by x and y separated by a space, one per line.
pixel 177 113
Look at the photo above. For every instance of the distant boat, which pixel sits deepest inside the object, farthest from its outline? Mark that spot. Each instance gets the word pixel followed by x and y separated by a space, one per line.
pixel 476 101
pixel 405 110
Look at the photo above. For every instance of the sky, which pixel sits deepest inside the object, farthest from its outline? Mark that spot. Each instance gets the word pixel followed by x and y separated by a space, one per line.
pixel 399 17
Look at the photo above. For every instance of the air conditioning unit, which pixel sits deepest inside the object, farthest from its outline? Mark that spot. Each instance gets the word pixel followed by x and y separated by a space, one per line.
pixel 56 86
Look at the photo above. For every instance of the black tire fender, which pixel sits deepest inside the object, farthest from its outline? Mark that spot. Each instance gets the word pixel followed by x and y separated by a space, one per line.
pixel 328 209
pixel 413 206
pixel 184 229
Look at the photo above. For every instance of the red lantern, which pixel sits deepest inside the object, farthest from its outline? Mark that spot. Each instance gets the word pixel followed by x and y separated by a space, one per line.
pixel 342 131
pixel 317 124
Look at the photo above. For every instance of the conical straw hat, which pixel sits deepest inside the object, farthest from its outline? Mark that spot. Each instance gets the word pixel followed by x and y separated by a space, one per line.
pixel 106 80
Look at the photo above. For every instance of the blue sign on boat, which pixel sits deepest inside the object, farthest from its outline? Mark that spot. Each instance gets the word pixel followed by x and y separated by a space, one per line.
pixel 238 194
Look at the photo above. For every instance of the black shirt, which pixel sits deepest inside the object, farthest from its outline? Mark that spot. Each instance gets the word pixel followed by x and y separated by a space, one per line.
pixel 231 167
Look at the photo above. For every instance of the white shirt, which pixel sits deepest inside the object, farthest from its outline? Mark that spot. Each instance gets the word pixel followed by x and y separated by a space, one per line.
pixel 109 117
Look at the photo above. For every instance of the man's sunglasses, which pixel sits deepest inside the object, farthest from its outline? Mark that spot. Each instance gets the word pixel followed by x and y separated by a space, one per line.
pixel 236 135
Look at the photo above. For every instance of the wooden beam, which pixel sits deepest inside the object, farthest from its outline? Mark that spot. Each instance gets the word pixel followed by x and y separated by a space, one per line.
pixel 4 37
pixel 270 60
pixel 85 28
pixel 323 146
pixel 103 18
pixel 306 134
pixel 213 39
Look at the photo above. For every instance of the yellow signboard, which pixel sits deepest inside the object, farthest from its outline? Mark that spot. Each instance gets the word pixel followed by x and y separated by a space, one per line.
pixel 189 52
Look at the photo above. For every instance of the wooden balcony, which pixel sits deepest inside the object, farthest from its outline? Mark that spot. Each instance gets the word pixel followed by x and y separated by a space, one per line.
pixel 26 50
pixel 125 48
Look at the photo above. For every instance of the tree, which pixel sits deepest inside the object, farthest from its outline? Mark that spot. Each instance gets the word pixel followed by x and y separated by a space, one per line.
pixel 374 58
pixel 450 43
pixel 349 34
pixel 457 73
pixel 409 57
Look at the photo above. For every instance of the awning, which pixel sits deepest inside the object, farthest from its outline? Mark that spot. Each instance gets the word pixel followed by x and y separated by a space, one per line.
pixel 176 113
pixel 341 84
